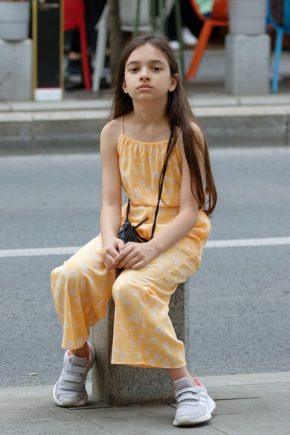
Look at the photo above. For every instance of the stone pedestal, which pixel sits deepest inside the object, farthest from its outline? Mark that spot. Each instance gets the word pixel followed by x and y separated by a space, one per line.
pixel 15 70
pixel 247 17
pixel 124 385
pixel 247 64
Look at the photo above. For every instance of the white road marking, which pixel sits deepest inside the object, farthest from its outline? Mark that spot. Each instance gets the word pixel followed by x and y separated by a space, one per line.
pixel 35 252
pixel 240 243
pixel 69 250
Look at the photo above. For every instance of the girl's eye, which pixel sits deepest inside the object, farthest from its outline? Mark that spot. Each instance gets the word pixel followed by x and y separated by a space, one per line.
pixel 133 69
pixel 156 68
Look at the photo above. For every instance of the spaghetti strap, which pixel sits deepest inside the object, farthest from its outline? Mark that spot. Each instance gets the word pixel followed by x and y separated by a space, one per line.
pixel 122 125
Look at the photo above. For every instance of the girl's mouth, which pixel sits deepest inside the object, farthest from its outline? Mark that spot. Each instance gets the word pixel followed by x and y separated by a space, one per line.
pixel 145 87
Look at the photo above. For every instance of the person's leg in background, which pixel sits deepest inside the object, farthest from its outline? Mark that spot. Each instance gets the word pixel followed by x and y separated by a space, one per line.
pixel 73 70
pixel 94 10
pixel 73 75
pixel 191 24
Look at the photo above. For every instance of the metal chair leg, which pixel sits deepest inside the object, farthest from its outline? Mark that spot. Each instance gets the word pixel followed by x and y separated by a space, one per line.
pixel 277 59
pixel 200 47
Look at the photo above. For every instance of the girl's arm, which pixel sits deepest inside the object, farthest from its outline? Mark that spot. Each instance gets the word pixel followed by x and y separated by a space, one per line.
pixel 185 220
pixel 110 216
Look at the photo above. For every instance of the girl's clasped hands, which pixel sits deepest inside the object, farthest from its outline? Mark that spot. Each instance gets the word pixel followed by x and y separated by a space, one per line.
pixel 131 255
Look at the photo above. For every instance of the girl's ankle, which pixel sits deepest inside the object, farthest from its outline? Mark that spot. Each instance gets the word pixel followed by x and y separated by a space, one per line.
pixel 82 352
pixel 196 382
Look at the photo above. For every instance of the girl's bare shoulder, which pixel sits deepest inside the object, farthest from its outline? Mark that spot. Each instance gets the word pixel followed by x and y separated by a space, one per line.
pixel 111 131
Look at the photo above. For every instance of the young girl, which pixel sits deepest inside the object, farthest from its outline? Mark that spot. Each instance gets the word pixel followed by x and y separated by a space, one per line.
pixel 149 108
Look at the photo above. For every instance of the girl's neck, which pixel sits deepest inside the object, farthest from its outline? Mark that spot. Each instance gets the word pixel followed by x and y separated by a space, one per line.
pixel 146 114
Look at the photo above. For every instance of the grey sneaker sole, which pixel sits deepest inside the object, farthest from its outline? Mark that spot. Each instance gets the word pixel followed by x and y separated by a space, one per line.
pixel 67 404
pixel 187 421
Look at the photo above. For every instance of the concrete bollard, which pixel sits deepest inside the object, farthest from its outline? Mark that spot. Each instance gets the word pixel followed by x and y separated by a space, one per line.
pixel 15 70
pixel 124 385
pixel 247 64
pixel 247 48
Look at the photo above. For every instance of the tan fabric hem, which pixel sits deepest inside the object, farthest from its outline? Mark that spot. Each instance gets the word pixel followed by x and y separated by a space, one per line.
pixel 148 366
pixel 77 346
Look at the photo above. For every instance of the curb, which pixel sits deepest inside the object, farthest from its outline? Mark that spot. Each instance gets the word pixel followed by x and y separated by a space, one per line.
pixel 51 131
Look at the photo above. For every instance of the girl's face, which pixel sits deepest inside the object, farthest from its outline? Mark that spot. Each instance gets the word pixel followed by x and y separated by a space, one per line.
pixel 147 74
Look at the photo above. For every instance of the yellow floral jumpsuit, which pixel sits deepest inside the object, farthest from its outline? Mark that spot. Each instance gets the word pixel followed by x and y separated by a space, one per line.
pixel 82 287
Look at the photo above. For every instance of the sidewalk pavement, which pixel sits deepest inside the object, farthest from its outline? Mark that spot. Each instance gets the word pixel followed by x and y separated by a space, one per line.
pixel 74 124
pixel 247 404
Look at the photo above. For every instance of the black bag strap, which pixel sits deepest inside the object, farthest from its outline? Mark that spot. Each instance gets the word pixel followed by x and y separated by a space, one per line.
pixel 162 176
pixel 127 216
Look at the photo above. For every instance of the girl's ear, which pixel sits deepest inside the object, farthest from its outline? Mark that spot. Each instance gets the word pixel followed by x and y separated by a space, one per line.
pixel 173 82
pixel 124 87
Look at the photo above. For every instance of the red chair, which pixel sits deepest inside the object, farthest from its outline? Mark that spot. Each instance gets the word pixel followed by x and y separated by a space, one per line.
pixel 74 18
pixel 218 18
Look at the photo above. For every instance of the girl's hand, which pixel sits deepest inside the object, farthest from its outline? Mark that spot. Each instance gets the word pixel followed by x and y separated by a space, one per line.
pixel 136 255
pixel 111 252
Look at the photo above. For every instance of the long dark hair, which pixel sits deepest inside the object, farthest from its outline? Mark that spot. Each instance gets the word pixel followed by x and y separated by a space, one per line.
pixel 179 115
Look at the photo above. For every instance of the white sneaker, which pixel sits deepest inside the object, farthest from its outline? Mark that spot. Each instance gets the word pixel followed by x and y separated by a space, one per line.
pixel 187 37
pixel 194 405
pixel 70 389
pixel 174 45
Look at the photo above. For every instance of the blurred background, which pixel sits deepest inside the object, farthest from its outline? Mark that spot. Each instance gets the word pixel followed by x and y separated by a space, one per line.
pixel 54 48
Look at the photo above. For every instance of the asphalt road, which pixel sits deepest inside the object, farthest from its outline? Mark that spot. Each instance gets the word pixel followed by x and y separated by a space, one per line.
pixel 241 296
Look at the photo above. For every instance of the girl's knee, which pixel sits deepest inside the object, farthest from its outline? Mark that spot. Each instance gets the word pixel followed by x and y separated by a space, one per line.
pixel 119 287
pixel 70 268
pixel 66 279
pixel 126 287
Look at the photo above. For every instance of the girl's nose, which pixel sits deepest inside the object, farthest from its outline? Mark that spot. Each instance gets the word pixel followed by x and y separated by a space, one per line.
pixel 144 74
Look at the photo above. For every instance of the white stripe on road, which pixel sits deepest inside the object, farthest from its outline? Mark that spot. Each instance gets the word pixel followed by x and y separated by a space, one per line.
pixel 240 243
pixel 38 252
pixel 234 243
